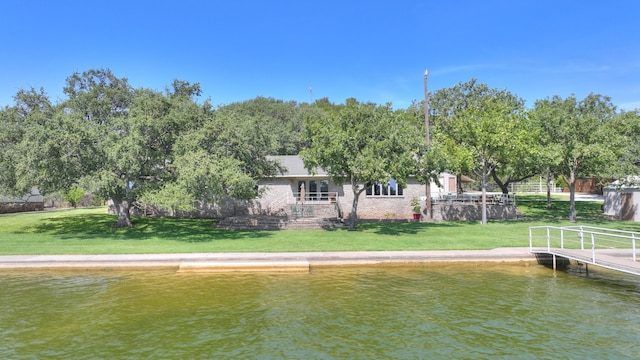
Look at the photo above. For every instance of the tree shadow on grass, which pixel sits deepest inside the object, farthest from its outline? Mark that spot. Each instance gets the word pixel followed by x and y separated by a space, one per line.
pixel 400 228
pixel 536 210
pixel 98 226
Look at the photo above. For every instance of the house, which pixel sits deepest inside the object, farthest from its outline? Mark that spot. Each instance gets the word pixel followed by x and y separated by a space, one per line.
pixel 298 199
pixel 297 192
pixel 622 199
pixel 29 202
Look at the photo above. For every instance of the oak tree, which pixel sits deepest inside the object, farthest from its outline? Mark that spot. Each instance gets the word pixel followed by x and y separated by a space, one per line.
pixel 361 144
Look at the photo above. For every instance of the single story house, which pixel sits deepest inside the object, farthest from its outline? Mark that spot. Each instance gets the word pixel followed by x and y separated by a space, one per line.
pixel 29 202
pixel 622 200
pixel 297 190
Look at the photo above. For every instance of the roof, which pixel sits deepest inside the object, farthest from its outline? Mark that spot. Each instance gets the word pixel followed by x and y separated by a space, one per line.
pixel 630 182
pixel 33 197
pixel 294 165
pixel 466 179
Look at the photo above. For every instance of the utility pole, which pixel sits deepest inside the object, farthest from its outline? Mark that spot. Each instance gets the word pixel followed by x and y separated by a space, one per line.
pixel 428 138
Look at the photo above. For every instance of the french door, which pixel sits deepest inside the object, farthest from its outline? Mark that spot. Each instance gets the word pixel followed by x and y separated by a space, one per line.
pixel 313 190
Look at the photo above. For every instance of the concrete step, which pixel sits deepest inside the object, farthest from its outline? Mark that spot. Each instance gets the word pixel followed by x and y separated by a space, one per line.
pixel 277 223
pixel 314 223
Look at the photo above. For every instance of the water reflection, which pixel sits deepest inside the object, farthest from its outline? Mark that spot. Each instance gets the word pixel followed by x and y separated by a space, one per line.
pixel 448 311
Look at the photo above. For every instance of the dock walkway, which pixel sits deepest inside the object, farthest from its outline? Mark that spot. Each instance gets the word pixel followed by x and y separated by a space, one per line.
pixel 607 248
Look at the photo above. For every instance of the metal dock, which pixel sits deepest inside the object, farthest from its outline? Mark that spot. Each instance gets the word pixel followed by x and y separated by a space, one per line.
pixel 607 248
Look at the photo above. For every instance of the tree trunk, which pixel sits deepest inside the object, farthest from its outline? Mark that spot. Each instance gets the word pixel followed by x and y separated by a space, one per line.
pixel 427 202
pixel 122 207
pixel 354 205
pixel 484 192
pixel 549 205
pixel 572 196
pixel 504 187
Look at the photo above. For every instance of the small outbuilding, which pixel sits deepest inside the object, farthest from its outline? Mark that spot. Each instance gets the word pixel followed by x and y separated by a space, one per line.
pixel 622 199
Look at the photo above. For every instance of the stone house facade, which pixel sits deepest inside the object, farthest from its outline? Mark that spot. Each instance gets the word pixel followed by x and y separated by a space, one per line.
pixel 298 194
pixel 298 191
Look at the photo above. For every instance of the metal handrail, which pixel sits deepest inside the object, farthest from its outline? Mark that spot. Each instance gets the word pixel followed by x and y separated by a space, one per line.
pixel 581 231
pixel 313 197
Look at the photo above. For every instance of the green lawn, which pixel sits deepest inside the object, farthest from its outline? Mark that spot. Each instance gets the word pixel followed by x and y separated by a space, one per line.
pixel 88 231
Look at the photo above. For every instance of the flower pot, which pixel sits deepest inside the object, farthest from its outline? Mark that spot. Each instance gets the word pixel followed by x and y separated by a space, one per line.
pixel 416 216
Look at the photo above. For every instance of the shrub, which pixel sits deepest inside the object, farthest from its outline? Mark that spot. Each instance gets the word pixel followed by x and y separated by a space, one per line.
pixel 74 195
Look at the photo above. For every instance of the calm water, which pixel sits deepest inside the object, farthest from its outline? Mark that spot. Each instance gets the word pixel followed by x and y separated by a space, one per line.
pixel 445 312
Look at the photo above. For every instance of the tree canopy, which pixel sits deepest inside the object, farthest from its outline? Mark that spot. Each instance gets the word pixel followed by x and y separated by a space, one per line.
pixel 131 143
pixel 362 144
pixel 173 149
pixel 586 142
pixel 483 131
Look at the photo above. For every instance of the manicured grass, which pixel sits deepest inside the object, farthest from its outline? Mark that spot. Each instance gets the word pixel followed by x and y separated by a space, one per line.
pixel 88 231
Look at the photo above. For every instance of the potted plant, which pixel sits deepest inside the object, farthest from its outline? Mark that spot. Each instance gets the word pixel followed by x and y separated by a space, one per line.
pixel 415 205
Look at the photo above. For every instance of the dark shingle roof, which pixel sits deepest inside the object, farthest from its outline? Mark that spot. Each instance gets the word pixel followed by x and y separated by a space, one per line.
pixel 294 166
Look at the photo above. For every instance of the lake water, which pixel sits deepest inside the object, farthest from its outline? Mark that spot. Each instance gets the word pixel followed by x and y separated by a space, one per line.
pixel 447 311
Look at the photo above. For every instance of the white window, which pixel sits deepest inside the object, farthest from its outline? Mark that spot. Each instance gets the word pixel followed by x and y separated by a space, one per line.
pixel 392 188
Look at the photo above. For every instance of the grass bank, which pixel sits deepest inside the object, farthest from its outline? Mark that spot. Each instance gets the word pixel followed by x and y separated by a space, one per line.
pixel 88 231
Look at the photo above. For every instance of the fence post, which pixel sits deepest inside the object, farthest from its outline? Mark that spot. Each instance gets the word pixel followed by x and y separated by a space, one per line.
pixel 561 238
pixel 581 236
pixel 530 240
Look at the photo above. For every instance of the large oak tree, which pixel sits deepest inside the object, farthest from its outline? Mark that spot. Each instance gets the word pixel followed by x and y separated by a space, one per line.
pixel 585 141
pixel 362 144
pixel 483 131
pixel 130 144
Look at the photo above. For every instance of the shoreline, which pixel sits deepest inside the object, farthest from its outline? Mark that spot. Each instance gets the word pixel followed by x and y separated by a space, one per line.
pixel 264 262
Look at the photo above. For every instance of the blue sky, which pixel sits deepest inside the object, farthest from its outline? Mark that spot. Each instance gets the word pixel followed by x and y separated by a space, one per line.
pixel 370 50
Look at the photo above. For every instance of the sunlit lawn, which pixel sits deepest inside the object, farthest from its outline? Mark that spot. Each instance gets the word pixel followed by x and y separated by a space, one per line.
pixel 88 231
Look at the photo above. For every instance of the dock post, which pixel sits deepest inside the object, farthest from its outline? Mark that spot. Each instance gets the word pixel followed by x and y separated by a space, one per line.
pixel 587 268
pixel 554 262
pixel 593 248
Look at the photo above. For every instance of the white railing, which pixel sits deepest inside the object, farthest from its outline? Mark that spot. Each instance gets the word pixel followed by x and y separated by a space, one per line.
pixel 582 237
pixel 315 197
pixel 475 198
pixel 533 187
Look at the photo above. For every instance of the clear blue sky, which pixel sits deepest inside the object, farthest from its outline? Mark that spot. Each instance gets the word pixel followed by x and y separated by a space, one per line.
pixel 371 50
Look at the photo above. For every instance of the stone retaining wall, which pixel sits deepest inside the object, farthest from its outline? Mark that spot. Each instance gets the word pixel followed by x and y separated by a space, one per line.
pixel 470 212
pixel 265 222
pixel 231 207
pixel 14 207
